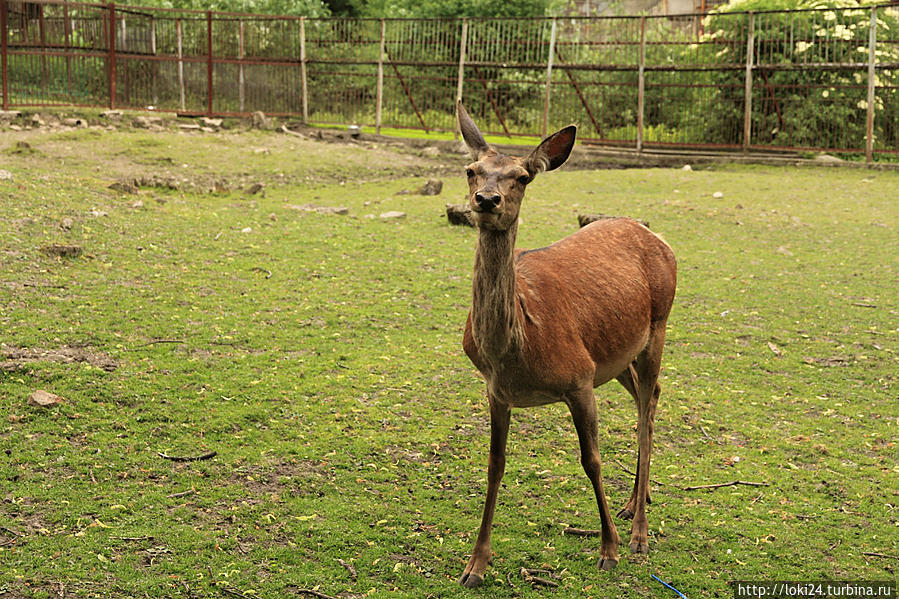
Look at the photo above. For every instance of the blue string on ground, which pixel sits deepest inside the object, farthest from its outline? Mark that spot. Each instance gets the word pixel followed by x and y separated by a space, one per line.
pixel 669 586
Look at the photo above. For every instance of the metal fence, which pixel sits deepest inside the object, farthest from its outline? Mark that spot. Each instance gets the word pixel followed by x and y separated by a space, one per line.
pixel 820 79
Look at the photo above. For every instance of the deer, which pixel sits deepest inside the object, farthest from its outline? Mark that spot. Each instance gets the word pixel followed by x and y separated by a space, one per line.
pixel 551 324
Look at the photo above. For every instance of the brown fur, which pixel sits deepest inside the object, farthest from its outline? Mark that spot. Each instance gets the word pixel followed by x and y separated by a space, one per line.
pixel 551 324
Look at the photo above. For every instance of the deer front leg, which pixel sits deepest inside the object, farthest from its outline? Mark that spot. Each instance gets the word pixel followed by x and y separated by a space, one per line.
pixel 473 575
pixel 583 412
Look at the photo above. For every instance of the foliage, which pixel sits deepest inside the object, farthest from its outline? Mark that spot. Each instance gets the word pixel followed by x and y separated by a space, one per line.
pixel 451 8
pixel 320 356
pixel 795 106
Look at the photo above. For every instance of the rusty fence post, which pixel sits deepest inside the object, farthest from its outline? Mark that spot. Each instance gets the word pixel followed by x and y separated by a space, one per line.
pixel 209 63
pixel 549 75
pixel 111 70
pixel 3 58
pixel 872 80
pixel 747 92
pixel 380 89
pixel 641 84
pixel 304 90
pixel 180 61
pixel 460 80
pixel 241 83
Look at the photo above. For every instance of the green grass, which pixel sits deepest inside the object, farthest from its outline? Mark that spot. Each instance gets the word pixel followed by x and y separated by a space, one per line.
pixel 349 425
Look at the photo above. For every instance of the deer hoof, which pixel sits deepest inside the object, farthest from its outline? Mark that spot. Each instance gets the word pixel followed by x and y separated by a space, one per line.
pixel 626 513
pixel 638 547
pixel 471 580
pixel 607 563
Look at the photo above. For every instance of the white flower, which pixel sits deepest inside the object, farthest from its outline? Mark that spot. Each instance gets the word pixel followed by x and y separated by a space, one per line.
pixel 802 47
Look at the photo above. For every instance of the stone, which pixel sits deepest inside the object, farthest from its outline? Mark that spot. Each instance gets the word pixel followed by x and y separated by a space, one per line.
pixel 340 210
pixel 124 186
pixel 718 195
pixel 5 175
pixel 62 251
pixel 828 159
pixel 431 152
pixel 74 122
pixel 214 123
pixel 687 167
pixel 259 120
pixel 255 188
pixel 114 115
pixel 432 188
pixel 392 215
pixel 43 399
pixel 459 214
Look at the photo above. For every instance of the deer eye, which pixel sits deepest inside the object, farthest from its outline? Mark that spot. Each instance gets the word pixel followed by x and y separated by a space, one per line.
pixel 469 173
pixel 524 179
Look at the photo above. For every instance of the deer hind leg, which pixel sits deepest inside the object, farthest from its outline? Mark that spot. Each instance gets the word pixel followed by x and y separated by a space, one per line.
pixel 473 575
pixel 647 396
pixel 628 380
pixel 583 411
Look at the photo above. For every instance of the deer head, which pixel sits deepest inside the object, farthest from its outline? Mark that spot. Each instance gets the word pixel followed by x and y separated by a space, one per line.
pixel 496 182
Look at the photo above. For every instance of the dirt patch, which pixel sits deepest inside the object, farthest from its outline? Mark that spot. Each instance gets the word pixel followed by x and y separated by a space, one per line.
pixel 15 358
pixel 303 477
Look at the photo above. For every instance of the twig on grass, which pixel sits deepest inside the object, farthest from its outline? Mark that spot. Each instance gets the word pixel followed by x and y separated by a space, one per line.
pixel 884 555
pixel 581 532
pixel 157 342
pixel 132 538
pixel 93 478
pixel 349 567
pixel 217 236
pixel 632 473
pixel 177 458
pixel 268 273
pixel 732 483
pixel 528 576
pixel 181 494
pixel 312 593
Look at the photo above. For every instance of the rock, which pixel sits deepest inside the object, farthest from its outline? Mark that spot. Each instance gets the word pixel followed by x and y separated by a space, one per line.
pixel 341 210
pixel 5 175
pixel 687 167
pixel 9 115
pixel 62 251
pixel 431 152
pixel 137 204
pixel 255 188
pixel 718 195
pixel 459 214
pixel 392 215
pixel 188 126
pixel 44 399
pixel 354 130
pixel 585 219
pixel 214 123
pixel 37 121
pixel 114 115
pixel 74 122
pixel 432 188
pixel 782 250
pixel 66 223
pixel 828 159
pixel 259 120
pixel 124 186
pixel 247 230
pixel 147 122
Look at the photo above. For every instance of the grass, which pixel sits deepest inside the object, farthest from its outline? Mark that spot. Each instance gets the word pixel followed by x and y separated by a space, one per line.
pixel 349 425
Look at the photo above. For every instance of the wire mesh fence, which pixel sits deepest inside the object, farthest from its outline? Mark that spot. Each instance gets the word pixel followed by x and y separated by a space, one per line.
pixel 815 79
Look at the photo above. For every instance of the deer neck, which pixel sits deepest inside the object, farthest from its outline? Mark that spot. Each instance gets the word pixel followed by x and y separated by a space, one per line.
pixel 494 315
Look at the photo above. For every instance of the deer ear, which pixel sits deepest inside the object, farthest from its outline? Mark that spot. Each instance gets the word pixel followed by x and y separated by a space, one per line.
pixel 470 133
pixel 552 151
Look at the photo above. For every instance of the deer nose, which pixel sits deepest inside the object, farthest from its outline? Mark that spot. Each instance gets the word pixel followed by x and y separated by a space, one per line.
pixel 487 201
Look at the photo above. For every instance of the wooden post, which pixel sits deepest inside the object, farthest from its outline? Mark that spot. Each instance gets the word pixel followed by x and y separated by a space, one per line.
pixel 112 60
pixel 3 59
pixel 303 83
pixel 460 80
pixel 747 93
pixel 549 75
pixel 209 62
pixel 180 61
pixel 380 92
pixel 155 64
pixel 67 30
pixel 43 40
pixel 641 84
pixel 240 76
pixel 872 79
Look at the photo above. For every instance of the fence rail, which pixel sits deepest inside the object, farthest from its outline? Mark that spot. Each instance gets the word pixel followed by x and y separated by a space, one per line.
pixel 823 79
